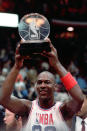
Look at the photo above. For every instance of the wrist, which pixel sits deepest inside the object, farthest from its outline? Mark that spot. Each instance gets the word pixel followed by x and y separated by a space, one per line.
pixel 17 67
pixel 68 81
pixel 60 69
pixel 57 66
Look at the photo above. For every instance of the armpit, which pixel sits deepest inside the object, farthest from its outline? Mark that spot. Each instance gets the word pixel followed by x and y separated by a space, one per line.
pixel 68 109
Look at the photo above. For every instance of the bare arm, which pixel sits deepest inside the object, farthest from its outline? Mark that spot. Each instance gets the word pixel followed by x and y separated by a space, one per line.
pixel 71 107
pixel 14 104
pixel 75 92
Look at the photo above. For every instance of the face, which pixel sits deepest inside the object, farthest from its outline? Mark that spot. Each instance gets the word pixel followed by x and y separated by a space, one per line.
pixel 45 85
pixel 9 119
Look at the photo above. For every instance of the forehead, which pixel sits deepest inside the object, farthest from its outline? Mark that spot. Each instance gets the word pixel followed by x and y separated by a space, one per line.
pixel 46 76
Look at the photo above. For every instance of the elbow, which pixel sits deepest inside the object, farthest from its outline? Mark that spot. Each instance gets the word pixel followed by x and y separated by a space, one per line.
pixel 80 103
pixel 81 100
pixel 2 97
pixel 3 100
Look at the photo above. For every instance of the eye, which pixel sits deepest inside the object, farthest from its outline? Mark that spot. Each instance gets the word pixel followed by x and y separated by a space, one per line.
pixel 47 82
pixel 39 82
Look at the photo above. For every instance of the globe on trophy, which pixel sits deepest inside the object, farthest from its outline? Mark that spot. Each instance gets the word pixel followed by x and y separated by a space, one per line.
pixel 33 29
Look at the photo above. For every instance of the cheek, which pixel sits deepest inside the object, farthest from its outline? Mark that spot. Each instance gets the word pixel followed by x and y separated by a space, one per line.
pixel 11 119
pixel 8 121
pixel 50 91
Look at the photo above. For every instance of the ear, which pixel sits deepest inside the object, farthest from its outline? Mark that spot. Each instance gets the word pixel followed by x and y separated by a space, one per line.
pixel 19 122
pixel 55 87
pixel 19 119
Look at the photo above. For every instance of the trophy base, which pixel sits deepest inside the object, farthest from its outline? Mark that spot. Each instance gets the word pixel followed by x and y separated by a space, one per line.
pixel 29 48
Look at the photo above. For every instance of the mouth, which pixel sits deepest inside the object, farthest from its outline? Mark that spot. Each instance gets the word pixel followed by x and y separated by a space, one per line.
pixel 43 92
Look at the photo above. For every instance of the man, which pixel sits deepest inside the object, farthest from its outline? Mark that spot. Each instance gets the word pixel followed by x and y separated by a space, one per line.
pixel 44 113
pixel 2 125
pixel 79 121
pixel 13 122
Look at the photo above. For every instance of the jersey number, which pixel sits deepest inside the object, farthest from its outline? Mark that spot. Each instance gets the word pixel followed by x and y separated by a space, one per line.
pixel 38 128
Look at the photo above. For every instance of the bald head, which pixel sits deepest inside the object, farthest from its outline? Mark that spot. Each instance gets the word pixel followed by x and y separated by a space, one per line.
pixel 46 75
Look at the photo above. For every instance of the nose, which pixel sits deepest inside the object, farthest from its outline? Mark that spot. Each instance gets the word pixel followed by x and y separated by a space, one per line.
pixel 4 119
pixel 43 84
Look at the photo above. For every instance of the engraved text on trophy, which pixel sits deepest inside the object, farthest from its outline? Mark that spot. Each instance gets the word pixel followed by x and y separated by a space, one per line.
pixel 34 31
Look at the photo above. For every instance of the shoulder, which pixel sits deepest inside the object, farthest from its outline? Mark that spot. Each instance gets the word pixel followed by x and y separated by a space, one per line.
pixel 58 104
pixel 23 106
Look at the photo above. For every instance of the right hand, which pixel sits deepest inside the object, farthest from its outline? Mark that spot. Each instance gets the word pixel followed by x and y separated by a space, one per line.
pixel 18 59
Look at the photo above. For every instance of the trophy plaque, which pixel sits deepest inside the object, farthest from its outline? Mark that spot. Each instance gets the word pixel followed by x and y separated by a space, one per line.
pixel 33 30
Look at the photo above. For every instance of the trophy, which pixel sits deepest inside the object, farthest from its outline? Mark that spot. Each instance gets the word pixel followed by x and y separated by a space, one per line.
pixel 33 29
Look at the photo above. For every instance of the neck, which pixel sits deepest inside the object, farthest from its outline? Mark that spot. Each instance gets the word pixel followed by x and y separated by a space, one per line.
pixel 46 103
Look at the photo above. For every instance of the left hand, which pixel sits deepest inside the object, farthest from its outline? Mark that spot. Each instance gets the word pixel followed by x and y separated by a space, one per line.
pixel 52 56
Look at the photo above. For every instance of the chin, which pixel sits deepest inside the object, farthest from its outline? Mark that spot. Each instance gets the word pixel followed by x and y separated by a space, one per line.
pixel 43 97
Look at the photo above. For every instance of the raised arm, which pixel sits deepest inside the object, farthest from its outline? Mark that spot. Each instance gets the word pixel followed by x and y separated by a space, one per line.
pixel 14 104
pixel 70 108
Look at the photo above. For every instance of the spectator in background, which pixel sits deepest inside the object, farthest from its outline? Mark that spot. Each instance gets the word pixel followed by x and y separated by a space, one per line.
pixel 13 122
pixel 45 66
pixel 5 72
pixel 32 94
pixel 76 73
pixel 73 69
pixel 32 76
pixel 82 82
pixel 3 54
pixel 3 75
pixel 19 78
pixel 23 72
pixel 20 90
pixel 2 79
pixel 62 96
pixel 79 121
pixel 2 113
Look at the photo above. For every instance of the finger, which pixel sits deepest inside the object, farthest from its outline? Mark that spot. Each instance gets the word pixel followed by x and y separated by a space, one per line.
pixel 17 49
pixel 26 57
pixel 47 54
pixel 18 56
pixel 22 41
pixel 51 45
